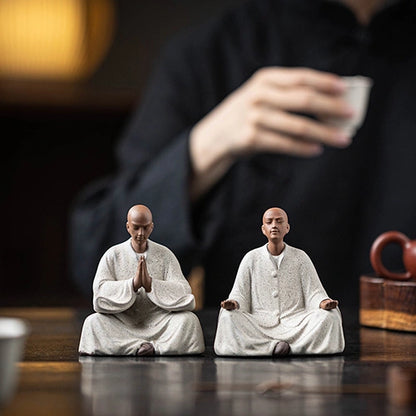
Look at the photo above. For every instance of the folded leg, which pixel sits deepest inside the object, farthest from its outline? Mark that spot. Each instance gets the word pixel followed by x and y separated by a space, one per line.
pixel 176 333
pixel 239 333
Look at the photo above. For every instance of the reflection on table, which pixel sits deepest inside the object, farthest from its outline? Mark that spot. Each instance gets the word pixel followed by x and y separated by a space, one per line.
pixel 54 380
pixel 266 387
pixel 131 386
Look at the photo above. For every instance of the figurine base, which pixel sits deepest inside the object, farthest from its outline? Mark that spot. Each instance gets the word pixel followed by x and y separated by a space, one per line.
pixel 388 304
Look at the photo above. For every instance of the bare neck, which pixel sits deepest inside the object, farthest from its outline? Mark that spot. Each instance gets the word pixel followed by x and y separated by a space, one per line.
pixel 275 248
pixel 364 10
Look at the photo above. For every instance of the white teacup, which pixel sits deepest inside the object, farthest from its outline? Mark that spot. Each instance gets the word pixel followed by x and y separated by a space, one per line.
pixel 13 334
pixel 356 95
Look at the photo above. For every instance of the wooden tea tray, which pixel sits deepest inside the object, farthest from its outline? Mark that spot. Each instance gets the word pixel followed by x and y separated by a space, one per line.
pixel 388 304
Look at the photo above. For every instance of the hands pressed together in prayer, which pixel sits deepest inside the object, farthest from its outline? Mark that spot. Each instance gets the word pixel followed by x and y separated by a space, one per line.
pixel 142 278
pixel 268 114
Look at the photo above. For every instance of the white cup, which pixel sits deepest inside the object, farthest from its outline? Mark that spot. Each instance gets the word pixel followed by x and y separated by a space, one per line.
pixel 356 95
pixel 13 333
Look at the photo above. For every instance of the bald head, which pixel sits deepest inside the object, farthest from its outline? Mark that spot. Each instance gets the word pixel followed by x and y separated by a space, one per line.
pixel 139 213
pixel 139 225
pixel 275 212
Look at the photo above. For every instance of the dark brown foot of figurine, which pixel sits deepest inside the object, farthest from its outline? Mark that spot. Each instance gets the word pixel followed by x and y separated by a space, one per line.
pixel 281 349
pixel 145 349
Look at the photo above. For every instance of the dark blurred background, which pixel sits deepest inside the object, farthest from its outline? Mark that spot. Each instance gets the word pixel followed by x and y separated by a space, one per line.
pixel 64 102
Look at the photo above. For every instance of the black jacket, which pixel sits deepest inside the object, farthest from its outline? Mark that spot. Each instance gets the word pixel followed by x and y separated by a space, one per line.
pixel 337 203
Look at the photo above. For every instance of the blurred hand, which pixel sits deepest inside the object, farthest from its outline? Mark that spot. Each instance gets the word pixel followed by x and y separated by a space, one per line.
pixel 263 115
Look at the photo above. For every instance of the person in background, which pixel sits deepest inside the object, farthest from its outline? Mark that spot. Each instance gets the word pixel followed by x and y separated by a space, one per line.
pixel 231 123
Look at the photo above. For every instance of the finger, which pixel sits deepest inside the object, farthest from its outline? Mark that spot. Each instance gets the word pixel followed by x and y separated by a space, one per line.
pixel 270 141
pixel 304 100
pixel 292 77
pixel 299 126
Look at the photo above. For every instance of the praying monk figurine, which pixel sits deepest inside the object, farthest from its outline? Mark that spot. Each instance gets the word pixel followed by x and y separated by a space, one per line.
pixel 277 305
pixel 141 299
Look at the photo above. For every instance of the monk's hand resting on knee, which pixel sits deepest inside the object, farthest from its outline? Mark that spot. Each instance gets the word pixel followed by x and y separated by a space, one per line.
pixel 230 304
pixel 328 304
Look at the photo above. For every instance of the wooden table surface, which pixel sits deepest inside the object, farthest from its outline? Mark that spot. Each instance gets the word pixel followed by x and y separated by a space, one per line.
pixel 54 380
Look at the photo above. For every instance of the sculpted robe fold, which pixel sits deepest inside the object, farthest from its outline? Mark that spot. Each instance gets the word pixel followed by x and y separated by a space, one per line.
pixel 125 319
pixel 278 304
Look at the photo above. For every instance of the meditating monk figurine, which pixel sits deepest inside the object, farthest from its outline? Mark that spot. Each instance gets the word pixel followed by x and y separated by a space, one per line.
pixel 278 305
pixel 141 299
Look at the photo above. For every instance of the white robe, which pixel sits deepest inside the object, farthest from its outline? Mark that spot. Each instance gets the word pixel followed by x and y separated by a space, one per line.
pixel 278 304
pixel 125 319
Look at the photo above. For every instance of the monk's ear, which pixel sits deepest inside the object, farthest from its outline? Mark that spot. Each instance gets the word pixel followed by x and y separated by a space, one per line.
pixel 287 228
pixel 263 231
pixel 151 227
pixel 127 226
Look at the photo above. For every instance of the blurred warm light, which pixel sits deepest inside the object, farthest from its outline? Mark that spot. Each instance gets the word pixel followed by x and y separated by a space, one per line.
pixel 54 39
